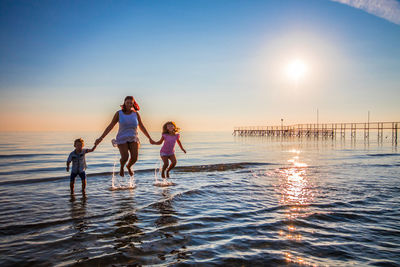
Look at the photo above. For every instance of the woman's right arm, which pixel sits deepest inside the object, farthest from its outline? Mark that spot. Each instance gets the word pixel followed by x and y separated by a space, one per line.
pixel 108 129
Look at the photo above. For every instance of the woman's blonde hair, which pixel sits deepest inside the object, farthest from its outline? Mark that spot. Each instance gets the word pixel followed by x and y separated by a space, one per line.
pixel 165 130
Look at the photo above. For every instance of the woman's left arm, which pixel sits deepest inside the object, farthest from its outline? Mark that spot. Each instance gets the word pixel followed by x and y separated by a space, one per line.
pixel 142 128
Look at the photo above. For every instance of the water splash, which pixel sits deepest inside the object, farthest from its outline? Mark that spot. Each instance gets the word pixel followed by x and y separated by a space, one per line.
pixel 118 182
pixel 163 182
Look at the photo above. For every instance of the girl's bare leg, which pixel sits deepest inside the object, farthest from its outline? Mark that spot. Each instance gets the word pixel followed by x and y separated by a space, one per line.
pixel 172 165
pixel 134 150
pixel 165 166
pixel 123 150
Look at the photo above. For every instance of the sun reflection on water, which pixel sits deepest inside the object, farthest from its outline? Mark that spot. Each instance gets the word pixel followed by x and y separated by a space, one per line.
pixel 296 193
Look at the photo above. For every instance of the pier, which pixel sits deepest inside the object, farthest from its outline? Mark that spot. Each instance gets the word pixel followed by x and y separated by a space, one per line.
pixel 329 130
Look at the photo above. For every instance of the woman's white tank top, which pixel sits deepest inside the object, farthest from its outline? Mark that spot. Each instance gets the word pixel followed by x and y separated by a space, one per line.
pixel 127 131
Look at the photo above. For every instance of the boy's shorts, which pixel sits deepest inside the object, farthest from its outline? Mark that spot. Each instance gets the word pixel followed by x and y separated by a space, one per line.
pixel 81 174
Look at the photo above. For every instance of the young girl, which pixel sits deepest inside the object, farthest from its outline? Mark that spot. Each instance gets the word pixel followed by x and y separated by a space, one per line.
pixel 170 136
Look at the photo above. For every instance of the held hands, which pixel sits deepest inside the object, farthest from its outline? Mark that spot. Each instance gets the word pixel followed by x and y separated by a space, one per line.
pixel 152 141
pixel 98 141
pixel 92 149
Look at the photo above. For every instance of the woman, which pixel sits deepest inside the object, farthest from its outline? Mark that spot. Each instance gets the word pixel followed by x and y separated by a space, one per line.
pixel 127 137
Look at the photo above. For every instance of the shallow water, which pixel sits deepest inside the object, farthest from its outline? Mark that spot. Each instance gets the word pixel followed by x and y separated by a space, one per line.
pixel 235 201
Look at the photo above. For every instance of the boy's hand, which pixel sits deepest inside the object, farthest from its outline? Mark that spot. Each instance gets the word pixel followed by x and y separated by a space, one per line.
pixel 184 151
pixel 98 141
pixel 67 168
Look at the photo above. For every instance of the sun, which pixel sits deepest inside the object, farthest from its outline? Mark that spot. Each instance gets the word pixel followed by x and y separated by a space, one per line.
pixel 296 70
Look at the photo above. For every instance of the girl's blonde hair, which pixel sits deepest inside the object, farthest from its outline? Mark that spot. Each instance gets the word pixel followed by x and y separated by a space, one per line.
pixel 165 130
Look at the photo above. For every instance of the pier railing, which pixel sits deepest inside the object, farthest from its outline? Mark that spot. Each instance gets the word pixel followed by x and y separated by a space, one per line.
pixel 321 129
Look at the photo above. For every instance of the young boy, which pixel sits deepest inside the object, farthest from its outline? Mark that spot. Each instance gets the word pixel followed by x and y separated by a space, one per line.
pixel 78 163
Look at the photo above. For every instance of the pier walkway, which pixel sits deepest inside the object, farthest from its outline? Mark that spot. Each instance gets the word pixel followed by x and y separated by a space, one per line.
pixel 322 130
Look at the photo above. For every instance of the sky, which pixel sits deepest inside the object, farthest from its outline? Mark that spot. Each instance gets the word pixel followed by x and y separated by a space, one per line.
pixel 207 65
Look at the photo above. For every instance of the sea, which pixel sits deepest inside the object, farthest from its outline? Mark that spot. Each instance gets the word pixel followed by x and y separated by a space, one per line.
pixel 231 201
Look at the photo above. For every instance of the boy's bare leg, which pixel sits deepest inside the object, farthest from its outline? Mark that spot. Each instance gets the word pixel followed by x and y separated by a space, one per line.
pixel 172 165
pixel 123 150
pixel 134 150
pixel 83 186
pixel 165 165
pixel 71 186
pixel 72 182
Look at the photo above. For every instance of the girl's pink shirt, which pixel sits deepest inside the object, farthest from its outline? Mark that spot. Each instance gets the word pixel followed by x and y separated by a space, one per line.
pixel 168 147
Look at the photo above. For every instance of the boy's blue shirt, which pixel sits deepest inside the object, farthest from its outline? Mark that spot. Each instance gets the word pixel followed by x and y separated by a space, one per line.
pixel 78 161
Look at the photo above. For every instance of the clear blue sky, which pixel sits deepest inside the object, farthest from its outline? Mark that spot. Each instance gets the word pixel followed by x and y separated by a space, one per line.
pixel 209 65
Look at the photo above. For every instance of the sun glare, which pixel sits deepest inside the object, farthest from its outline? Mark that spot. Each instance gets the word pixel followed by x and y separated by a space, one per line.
pixel 296 70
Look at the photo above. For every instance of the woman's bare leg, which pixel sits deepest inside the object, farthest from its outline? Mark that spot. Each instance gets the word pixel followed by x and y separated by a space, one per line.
pixel 172 165
pixel 123 150
pixel 134 150
pixel 165 166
